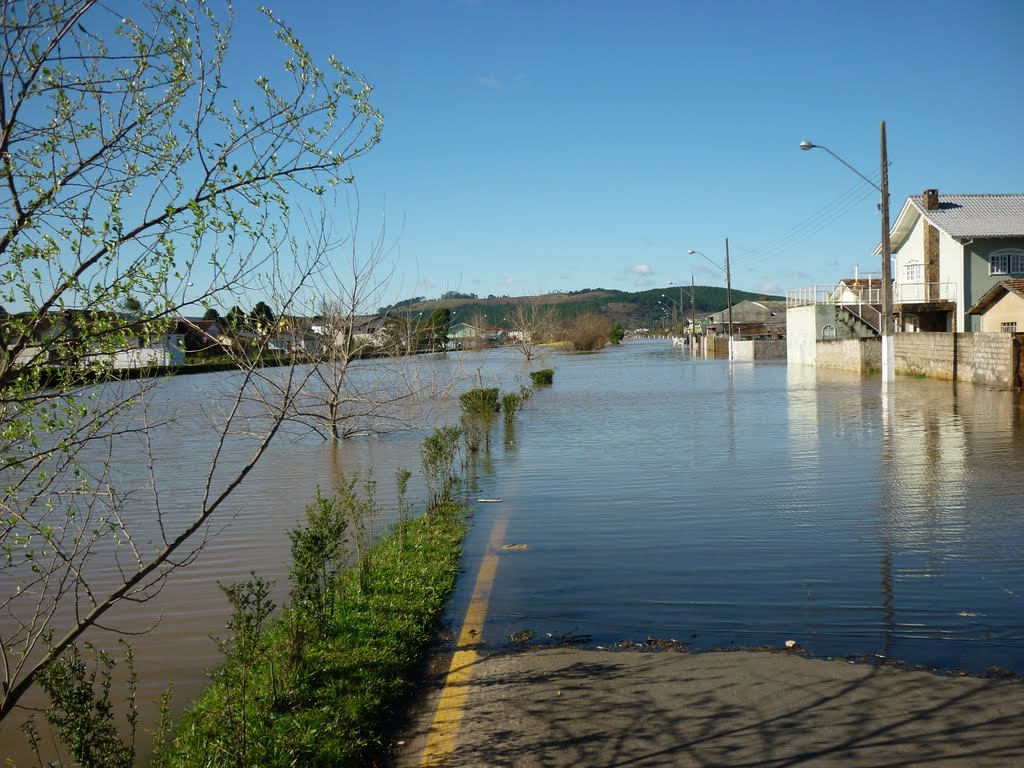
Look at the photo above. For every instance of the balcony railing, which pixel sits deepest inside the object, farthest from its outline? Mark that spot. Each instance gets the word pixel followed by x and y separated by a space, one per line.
pixel 923 293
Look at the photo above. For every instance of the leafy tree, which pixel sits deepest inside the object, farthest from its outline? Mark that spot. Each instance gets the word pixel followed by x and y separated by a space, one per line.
pixel 211 314
pixel 132 305
pixel 617 333
pixel 132 167
pixel 262 313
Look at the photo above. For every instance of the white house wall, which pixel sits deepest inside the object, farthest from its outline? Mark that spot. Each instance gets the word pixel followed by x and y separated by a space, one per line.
pixel 912 250
pixel 803 330
pixel 951 270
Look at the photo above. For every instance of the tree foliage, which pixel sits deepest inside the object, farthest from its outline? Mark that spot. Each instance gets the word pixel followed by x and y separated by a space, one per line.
pixel 131 168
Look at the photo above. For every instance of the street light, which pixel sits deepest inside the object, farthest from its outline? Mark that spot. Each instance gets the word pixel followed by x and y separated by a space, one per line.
pixel 728 284
pixel 888 354
pixel 677 306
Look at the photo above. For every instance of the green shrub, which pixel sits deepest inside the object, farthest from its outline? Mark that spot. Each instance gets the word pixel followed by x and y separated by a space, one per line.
pixel 482 401
pixel 439 452
pixel 542 378
pixel 511 403
pixel 335 705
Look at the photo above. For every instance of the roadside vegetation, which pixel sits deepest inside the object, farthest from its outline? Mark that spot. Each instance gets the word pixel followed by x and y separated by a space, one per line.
pixel 321 684
pixel 318 682
pixel 318 685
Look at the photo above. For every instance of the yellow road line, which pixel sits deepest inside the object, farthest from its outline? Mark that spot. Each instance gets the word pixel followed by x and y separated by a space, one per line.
pixel 444 731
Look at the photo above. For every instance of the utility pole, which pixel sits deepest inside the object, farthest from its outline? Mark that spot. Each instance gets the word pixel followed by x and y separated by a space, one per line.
pixel 888 356
pixel 728 293
pixel 693 311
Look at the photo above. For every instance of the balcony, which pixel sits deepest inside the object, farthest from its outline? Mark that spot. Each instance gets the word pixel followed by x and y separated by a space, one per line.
pixel 924 295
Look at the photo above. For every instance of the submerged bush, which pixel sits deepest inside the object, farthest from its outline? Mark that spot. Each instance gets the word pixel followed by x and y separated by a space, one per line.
pixel 511 403
pixel 543 377
pixel 482 401
pixel 439 452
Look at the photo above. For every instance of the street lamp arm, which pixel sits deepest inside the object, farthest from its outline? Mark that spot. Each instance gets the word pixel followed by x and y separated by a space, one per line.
pixel 806 145
pixel 708 258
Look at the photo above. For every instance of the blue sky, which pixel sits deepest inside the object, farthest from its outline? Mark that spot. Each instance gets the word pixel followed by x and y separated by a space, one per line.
pixel 538 146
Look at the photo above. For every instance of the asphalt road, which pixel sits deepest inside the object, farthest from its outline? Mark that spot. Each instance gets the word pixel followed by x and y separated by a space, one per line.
pixel 577 707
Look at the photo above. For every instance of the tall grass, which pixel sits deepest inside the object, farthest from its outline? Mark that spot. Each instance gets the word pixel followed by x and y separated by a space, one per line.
pixel 336 666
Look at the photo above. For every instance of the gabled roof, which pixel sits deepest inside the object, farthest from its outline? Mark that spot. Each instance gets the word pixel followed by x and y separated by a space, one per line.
pixel 962 217
pixel 995 293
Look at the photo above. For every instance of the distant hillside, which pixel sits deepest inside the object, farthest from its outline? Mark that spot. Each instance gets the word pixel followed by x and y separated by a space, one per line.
pixel 633 310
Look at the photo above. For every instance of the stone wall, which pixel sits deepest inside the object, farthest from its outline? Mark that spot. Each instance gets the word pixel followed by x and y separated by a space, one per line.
pixel 924 354
pixel 864 355
pixel 991 359
pixel 988 358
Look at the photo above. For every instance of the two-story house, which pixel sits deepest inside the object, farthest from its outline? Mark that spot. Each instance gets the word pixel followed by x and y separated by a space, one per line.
pixel 949 251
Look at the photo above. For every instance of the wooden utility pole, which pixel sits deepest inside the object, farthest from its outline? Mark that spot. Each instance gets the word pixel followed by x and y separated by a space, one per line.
pixel 728 292
pixel 693 310
pixel 888 362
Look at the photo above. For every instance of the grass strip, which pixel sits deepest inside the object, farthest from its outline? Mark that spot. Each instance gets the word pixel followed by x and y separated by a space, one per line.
pixel 326 697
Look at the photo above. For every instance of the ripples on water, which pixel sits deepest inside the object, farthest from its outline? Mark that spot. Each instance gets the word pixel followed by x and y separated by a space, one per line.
pixel 749 504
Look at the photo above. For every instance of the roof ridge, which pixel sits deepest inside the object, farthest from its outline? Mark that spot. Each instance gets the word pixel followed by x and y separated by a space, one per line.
pixel 973 194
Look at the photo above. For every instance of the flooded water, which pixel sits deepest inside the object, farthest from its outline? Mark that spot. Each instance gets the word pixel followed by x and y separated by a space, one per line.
pixel 746 504
pixel 713 503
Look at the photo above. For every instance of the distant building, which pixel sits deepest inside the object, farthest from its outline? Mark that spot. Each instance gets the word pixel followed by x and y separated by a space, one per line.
pixel 751 320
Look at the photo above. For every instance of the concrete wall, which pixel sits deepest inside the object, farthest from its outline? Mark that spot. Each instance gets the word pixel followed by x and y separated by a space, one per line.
pixel 991 359
pixel 759 349
pixel 717 346
pixel 803 329
pixel 924 354
pixel 864 355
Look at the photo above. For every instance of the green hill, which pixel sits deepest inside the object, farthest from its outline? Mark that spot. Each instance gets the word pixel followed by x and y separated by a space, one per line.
pixel 639 309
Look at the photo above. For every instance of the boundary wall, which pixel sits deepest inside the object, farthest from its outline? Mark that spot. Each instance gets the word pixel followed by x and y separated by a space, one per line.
pixel 759 349
pixel 864 355
pixel 994 360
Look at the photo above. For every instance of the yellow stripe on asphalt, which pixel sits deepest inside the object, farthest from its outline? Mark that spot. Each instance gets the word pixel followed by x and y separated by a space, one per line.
pixel 444 731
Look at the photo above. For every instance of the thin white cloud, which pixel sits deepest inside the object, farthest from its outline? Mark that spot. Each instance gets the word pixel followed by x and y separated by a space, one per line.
pixel 641 269
pixel 507 281
pixel 491 81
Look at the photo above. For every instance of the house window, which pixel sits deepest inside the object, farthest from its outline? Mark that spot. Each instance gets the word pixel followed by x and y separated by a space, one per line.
pixel 828 332
pixel 1006 262
pixel 1009 328
pixel 915 272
